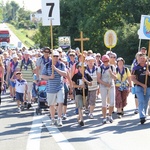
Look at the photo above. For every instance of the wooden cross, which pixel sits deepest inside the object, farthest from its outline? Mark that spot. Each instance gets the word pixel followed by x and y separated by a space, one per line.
pixel 81 39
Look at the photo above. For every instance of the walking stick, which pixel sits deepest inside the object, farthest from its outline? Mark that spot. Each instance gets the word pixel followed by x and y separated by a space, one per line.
pixel 51 31
pixel 147 68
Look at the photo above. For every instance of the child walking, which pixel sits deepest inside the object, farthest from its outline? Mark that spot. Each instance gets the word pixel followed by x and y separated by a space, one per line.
pixel 20 88
pixel 80 82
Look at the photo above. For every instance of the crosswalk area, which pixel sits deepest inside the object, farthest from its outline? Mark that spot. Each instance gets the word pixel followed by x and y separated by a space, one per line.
pixel 35 131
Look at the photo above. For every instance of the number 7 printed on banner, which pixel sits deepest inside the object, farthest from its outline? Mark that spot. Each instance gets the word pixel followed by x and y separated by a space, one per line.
pixel 50 11
pixel 51 8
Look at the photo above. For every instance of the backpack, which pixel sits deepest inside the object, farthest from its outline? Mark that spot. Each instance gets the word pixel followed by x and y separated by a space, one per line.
pixel 124 68
pixel 50 63
pixel 22 63
pixel 102 68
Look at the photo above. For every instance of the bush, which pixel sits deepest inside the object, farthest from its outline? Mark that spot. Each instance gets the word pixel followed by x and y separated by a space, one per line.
pixel 21 24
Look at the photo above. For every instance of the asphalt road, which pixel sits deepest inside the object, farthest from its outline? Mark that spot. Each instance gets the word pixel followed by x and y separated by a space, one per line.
pixel 14 40
pixel 26 130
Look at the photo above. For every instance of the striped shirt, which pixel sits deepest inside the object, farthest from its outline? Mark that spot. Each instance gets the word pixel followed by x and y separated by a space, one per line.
pixel 56 84
pixel 27 71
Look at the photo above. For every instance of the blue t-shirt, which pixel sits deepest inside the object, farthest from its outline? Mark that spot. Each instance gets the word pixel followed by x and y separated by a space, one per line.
pixel 56 84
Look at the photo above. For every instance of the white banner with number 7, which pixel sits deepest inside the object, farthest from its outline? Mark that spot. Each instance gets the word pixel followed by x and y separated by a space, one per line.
pixel 50 11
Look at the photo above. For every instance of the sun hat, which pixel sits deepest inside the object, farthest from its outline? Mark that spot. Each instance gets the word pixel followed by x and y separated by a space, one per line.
pixel 120 58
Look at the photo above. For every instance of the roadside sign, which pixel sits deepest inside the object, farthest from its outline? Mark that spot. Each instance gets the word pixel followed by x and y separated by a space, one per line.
pixel 144 31
pixel 19 44
pixel 64 41
pixel 50 11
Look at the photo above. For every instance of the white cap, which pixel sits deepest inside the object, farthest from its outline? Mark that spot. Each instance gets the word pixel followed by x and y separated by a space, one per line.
pixel 26 52
pixel 55 53
pixel 59 49
pixel 14 56
pixel 64 59
pixel 89 58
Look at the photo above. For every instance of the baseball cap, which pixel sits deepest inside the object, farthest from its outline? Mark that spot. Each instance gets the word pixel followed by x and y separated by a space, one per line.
pixel 55 53
pixel 105 58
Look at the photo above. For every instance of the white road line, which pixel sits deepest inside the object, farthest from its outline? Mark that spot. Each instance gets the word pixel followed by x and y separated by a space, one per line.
pixel 57 135
pixel 35 133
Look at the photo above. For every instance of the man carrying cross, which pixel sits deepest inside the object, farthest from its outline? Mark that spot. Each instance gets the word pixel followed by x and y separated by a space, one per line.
pixel 139 74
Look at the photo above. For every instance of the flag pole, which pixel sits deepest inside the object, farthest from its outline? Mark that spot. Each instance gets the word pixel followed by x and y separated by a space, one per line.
pixel 147 67
pixel 51 32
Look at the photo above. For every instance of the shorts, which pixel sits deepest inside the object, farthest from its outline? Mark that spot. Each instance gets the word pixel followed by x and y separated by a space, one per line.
pixel 91 98
pixel 107 93
pixel 12 84
pixel 53 98
pixel 19 96
pixel 79 100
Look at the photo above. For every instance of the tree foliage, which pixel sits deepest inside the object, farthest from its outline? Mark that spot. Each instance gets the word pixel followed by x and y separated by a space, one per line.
pixel 94 18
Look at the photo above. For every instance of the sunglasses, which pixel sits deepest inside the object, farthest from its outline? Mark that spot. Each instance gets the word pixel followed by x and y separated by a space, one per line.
pixel 55 56
pixel 112 57
pixel 72 55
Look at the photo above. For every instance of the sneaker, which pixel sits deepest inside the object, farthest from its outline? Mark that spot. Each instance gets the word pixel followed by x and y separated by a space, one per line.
pixel 29 105
pixel 86 111
pixel 119 115
pixel 19 110
pixel 22 108
pixel 14 98
pixel 142 120
pixel 136 111
pixel 104 121
pixel 59 122
pixel 110 119
pixel 81 123
pixel 64 116
pixel 25 104
pixel 91 116
pixel 149 111
pixel 52 121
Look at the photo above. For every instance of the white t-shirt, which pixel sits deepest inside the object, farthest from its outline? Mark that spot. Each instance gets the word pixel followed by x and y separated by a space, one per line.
pixel 20 85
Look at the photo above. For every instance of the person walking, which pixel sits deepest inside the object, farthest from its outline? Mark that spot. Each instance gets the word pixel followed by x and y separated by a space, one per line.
pixel 123 86
pixel 20 89
pixel 2 70
pixel 91 98
pixel 142 89
pixel 41 61
pixel 27 68
pixel 79 83
pixel 105 77
pixel 55 86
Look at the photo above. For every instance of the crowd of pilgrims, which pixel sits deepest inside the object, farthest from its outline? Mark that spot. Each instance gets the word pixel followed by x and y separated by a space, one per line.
pixel 71 75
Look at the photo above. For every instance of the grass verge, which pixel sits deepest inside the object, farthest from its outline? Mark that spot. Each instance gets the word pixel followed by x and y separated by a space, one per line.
pixel 24 35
